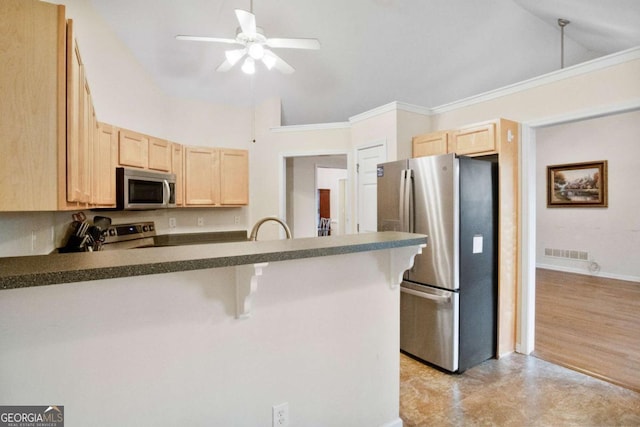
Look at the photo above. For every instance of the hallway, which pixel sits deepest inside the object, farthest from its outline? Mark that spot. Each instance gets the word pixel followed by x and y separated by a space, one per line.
pixel 516 390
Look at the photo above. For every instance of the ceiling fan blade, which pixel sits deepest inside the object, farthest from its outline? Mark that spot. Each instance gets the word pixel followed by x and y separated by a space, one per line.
pixel 247 22
pixel 224 67
pixel 235 55
pixel 294 43
pixel 271 60
pixel 206 39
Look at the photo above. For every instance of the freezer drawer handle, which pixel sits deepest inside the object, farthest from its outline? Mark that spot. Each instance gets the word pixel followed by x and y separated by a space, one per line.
pixel 438 298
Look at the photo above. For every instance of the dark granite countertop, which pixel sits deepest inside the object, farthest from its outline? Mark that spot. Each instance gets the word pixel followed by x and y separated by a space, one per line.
pixel 29 271
pixel 200 238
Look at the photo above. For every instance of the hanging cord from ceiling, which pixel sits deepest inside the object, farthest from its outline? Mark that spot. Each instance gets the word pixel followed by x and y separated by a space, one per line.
pixel 562 23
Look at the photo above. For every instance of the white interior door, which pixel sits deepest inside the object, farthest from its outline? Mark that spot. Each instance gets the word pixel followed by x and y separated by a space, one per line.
pixel 368 159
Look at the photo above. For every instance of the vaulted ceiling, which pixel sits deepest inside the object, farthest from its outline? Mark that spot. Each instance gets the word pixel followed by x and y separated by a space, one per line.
pixel 423 52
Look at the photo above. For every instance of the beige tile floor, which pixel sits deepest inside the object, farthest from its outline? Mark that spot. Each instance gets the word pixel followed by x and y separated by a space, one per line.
pixel 516 390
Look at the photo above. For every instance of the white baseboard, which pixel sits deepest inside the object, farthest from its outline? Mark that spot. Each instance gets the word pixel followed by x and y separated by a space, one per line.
pixel 395 423
pixel 603 274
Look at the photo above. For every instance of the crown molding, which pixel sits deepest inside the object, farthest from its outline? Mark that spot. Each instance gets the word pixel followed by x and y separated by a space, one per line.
pixel 552 77
pixel 311 128
pixel 386 108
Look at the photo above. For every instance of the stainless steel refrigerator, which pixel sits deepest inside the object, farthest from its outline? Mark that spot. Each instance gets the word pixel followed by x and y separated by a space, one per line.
pixel 448 302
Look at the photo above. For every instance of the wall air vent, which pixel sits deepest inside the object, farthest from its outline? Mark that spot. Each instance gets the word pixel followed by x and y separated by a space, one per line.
pixel 566 253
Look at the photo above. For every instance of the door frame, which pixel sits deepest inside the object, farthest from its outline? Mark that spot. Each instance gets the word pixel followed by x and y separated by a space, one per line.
pixel 527 283
pixel 356 177
pixel 282 178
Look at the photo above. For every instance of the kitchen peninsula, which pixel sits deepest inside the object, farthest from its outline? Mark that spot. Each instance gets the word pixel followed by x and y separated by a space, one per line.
pixel 212 334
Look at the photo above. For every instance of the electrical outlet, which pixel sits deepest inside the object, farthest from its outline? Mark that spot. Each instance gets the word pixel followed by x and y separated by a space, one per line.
pixel 281 415
pixel 200 221
pixel 236 219
pixel 172 223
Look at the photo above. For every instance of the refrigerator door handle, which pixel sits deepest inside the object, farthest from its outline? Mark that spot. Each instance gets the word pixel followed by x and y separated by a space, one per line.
pixel 425 295
pixel 409 202
pixel 406 217
pixel 403 181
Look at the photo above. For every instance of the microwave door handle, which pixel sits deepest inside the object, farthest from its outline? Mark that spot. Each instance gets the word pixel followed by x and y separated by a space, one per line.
pixel 166 193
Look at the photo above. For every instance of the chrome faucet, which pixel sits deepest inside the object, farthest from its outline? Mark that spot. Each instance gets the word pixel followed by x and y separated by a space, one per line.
pixel 254 231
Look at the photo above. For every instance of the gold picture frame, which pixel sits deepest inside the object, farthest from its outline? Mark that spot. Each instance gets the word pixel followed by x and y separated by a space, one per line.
pixel 577 185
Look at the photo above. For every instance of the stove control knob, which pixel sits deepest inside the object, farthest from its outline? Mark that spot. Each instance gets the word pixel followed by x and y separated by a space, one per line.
pixel 112 232
pixel 145 228
pixel 152 227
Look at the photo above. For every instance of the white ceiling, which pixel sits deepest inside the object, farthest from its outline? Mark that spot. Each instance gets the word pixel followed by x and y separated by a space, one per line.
pixel 423 52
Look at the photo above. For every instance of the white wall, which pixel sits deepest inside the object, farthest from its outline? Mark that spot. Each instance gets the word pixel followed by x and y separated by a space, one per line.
pixel 166 350
pixel 610 235
pixel 267 159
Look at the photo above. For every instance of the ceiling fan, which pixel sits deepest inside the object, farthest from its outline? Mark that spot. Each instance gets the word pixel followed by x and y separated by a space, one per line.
pixel 255 46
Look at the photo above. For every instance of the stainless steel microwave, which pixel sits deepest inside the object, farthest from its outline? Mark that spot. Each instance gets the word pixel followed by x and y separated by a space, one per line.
pixel 142 189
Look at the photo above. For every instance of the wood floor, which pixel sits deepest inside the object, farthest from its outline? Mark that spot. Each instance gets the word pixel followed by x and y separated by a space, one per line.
pixel 589 324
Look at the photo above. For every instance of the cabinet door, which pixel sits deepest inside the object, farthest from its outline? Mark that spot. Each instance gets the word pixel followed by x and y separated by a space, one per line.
pixel 78 112
pixel 159 155
pixel 177 167
pixel 105 154
pixel 202 176
pixel 430 144
pixel 474 140
pixel 32 106
pixel 234 177
pixel 133 149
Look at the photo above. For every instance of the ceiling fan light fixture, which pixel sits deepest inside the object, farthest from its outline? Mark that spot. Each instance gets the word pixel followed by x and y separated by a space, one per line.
pixel 256 51
pixel 249 66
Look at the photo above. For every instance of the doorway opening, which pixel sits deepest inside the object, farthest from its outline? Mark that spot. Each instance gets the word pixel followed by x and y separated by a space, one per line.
pixel 305 175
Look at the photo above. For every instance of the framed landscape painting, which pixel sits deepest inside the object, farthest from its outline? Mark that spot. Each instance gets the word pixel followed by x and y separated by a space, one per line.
pixel 577 185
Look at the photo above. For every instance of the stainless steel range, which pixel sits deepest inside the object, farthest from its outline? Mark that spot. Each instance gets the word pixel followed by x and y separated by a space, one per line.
pixel 129 236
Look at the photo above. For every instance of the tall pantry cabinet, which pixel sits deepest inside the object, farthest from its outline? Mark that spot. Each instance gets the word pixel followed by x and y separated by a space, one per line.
pixel 50 134
pixel 32 106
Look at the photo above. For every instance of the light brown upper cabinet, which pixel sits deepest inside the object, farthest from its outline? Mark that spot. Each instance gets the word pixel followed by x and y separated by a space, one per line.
pixel 105 158
pixel 234 177
pixel 33 106
pixel 430 144
pixel 133 149
pixel 159 154
pixel 78 125
pixel 201 176
pixel 474 140
pixel 216 177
